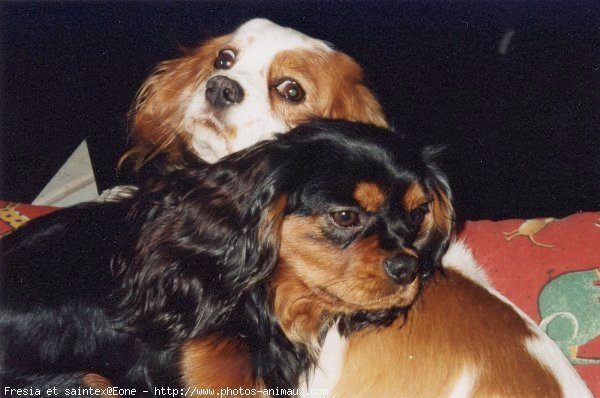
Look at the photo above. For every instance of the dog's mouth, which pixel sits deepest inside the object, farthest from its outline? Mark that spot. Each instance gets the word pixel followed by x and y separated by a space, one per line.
pixel 402 297
pixel 211 123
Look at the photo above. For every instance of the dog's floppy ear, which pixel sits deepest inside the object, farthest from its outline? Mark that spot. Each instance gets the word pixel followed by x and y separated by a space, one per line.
pixel 203 239
pixel 353 99
pixel 255 188
pixel 157 115
pixel 441 209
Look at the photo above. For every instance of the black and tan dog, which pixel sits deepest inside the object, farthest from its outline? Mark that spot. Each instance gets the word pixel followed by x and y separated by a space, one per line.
pixel 228 274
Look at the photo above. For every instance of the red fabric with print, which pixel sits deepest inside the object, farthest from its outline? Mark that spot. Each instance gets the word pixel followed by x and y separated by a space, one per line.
pixel 522 257
pixel 13 215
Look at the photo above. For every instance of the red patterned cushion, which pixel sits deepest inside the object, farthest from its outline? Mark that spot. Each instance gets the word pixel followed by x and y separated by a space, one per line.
pixel 550 268
pixel 13 215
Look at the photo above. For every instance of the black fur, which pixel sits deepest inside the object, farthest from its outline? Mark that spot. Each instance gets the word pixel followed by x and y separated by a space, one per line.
pixel 116 288
pixel 361 320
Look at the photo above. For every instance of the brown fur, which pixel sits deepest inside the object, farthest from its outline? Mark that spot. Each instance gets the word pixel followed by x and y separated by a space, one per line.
pixel 442 212
pixel 94 380
pixel 270 226
pixel 334 86
pixel 218 362
pixel 426 354
pixel 414 197
pixel 369 196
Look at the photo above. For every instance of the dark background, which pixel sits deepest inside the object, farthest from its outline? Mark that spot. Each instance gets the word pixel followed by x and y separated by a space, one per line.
pixel 522 128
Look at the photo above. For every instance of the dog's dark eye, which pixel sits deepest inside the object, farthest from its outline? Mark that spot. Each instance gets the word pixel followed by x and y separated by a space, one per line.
pixel 225 59
pixel 417 215
pixel 290 90
pixel 345 218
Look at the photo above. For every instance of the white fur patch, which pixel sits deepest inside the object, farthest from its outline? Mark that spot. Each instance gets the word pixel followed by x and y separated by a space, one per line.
pixel 256 44
pixel 116 193
pixel 464 385
pixel 548 354
pixel 459 258
pixel 329 366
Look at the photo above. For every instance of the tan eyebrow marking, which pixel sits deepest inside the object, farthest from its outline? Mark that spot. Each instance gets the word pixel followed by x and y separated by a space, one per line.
pixel 414 196
pixel 369 196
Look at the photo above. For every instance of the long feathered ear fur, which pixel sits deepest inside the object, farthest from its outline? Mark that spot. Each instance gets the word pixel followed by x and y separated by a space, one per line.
pixel 441 208
pixel 354 99
pixel 199 239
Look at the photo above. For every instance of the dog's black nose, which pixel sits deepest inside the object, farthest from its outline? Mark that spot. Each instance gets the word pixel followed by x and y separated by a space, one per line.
pixel 402 269
pixel 222 91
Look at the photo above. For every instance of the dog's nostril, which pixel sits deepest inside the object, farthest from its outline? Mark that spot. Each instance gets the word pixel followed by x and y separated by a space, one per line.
pixel 222 91
pixel 402 269
pixel 228 95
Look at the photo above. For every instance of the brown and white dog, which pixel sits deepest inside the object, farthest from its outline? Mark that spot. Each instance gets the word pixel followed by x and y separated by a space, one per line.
pixel 235 90
pixel 461 339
